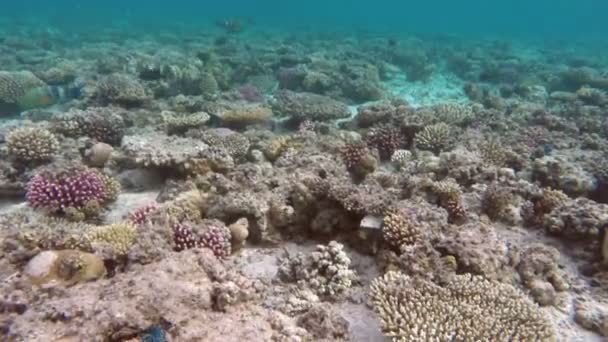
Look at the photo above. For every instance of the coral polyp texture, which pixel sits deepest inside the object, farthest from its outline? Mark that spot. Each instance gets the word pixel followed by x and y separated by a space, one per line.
pixel 468 308
pixel 73 189
pixel 32 145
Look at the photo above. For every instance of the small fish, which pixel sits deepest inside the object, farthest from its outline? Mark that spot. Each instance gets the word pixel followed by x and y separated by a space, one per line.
pixel 48 95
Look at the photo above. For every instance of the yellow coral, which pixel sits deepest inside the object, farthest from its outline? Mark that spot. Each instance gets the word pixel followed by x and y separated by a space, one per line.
pixel 117 237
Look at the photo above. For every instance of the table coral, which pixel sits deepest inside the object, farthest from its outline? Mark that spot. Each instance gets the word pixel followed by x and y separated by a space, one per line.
pixel 469 308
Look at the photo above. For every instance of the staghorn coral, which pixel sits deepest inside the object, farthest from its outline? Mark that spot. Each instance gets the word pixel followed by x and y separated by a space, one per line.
pixel 308 106
pixel 435 138
pixel 179 123
pixel 113 240
pixel 72 190
pixel 32 145
pixel 469 308
pixel 325 271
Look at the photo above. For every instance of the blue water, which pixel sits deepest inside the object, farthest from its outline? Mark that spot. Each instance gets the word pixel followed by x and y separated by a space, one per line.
pixel 551 19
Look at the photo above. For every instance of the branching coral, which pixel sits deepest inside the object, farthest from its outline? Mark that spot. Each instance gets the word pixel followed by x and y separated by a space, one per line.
pixel 32 145
pixel 398 229
pixel 469 308
pixel 79 190
pixel 217 238
pixel 326 271
pixel 435 138
pixel 141 215
pixel 184 237
pixel 450 197
pixel 113 240
pixel 387 139
pixel 493 153
pixel 352 154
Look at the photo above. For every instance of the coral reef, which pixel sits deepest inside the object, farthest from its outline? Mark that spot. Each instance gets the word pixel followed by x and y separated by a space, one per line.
pixel 192 177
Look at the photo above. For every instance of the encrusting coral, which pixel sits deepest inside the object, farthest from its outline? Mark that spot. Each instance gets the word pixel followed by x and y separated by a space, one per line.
pixel 468 308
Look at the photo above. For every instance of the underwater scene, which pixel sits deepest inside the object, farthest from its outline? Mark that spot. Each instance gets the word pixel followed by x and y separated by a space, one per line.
pixel 299 171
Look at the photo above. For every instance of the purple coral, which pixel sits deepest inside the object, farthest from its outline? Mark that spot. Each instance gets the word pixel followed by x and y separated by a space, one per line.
pixel 217 238
pixel 184 238
pixel 74 188
pixel 141 215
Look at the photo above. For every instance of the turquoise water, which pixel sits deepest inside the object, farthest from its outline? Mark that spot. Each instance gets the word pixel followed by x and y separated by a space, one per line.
pixel 557 19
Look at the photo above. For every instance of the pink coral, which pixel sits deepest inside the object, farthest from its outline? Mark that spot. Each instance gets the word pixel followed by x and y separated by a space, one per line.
pixel 70 189
pixel 184 238
pixel 141 215
pixel 217 238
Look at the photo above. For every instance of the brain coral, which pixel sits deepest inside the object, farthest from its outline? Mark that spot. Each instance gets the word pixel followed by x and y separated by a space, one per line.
pixel 469 308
